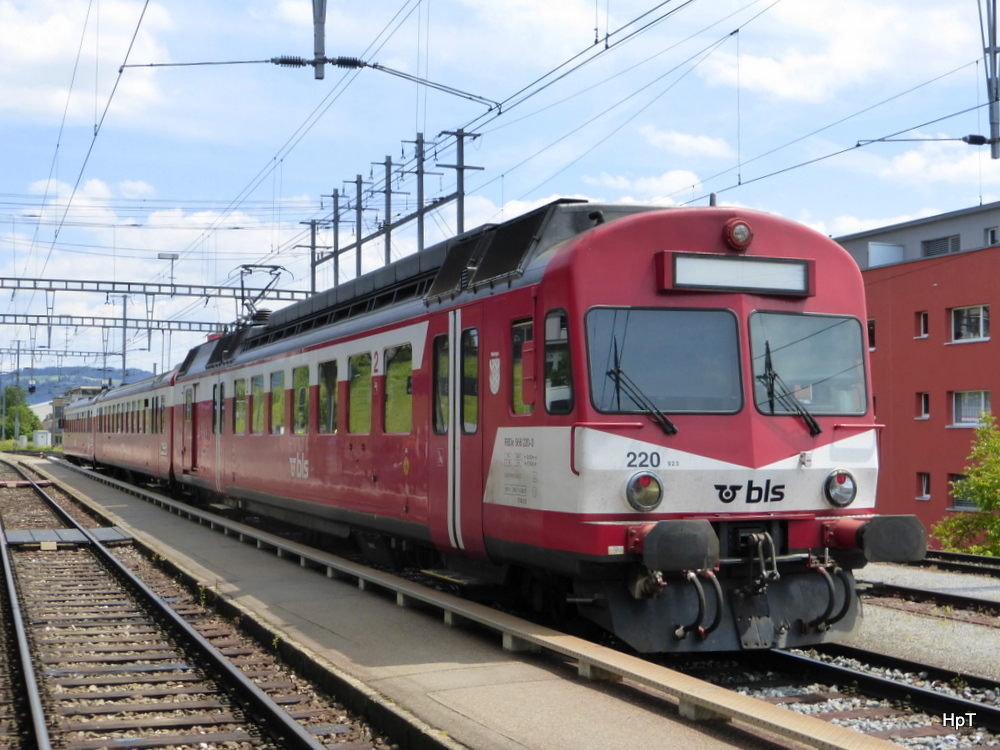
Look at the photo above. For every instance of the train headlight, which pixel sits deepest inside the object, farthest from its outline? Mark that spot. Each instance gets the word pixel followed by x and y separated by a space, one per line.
pixel 644 491
pixel 738 234
pixel 840 488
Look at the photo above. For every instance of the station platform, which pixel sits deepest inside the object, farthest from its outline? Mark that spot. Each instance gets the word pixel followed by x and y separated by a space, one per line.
pixel 458 683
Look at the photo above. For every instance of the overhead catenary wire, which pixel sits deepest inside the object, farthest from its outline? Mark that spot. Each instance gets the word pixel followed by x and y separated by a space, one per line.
pixel 277 164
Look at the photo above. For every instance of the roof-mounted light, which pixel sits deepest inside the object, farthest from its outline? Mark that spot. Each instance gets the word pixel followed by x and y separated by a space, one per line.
pixel 738 234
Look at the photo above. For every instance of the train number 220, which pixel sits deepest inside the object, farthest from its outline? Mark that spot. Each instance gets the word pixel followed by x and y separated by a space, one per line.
pixel 643 460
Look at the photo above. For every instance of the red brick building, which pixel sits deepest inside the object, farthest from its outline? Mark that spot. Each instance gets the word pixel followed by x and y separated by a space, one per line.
pixel 930 286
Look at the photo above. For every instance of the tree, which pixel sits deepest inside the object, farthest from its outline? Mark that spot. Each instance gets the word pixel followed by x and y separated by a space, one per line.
pixel 977 532
pixel 18 415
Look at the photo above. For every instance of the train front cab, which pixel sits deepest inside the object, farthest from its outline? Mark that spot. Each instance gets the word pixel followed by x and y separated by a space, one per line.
pixel 756 538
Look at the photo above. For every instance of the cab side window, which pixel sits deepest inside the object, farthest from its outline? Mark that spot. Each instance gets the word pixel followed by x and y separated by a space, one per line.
pixel 470 381
pixel 520 333
pixel 558 376
pixel 440 385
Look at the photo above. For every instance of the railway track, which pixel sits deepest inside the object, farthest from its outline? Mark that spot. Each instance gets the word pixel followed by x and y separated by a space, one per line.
pixel 848 692
pixel 976 610
pixel 894 699
pixel 961 563
pixel 107 659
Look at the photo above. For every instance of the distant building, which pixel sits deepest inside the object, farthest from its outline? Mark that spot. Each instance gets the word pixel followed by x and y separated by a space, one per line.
pixel 930 285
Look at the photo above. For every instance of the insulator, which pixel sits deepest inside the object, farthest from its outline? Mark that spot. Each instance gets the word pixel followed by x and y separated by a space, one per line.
pixel 288 61
pixel 348 62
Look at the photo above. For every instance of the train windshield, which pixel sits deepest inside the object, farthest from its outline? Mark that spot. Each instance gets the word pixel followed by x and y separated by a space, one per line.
pixel 671 360
pixel 808 362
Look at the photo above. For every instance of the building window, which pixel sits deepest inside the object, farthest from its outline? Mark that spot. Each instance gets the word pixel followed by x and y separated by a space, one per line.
pixel 923 405
pixel 920 320
pixel 958 502
pixel 992 236
pixel 968 405
pixel 923 485
pixel 871 334
pixel 970 323
pixel 940 246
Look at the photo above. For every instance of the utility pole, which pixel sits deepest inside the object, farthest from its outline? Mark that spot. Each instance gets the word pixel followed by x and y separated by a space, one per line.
pixel 124 334
pixel 991 53
pixel 460 167
pixel 319 37
pixel 358 208
pixel 313 223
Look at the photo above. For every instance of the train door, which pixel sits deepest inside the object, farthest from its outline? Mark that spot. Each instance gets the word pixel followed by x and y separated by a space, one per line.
pixel 456 444
pixel 189 430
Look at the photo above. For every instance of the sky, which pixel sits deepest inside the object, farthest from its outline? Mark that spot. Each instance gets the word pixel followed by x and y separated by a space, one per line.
pixel 131 128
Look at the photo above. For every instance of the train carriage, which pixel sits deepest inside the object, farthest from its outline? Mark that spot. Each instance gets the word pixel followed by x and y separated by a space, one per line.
pixel 125 427
pixel 659 416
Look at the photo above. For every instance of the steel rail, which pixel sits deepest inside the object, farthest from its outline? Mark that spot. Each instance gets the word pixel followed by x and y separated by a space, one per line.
pixel 987 716
pixel 943 598
pixel 961 562
pixel 697 700
pixel 274 719
pixel 35 707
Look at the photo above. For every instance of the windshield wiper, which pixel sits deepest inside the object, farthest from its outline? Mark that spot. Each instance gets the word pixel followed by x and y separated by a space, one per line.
pixel 624 384
pixel 778 391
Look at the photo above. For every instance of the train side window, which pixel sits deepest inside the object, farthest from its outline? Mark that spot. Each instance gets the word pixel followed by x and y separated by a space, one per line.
pixel 300 387
pixel 441 385
pixel 257 405
pixel 215 408
pixel 278 403
pixel 328 397
pixel 188 404
pixel 222 408
pixel 558 378
pixel 521 332
pixel 470 381
pixel 399 389
pixel 359 403
pixel 239 406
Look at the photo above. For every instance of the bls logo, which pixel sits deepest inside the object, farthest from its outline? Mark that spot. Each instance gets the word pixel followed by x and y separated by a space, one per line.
pixel 299 466
pixel 767 493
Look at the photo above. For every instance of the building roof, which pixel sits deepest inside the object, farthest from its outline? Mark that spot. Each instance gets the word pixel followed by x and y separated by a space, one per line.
pixel 936 218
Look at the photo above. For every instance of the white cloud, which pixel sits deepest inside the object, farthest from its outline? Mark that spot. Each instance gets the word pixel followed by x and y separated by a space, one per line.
pixel 40 42
pixel 687 145
pixel 945 162
pixel 665 188
pixel 810 52
pixel 136 189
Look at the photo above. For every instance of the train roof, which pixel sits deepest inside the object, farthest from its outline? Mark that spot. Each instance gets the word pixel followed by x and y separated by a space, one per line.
pixel 124 390
pixel 481 259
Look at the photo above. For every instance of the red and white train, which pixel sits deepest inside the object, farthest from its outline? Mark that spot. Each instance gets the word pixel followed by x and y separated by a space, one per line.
pixel 661 417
